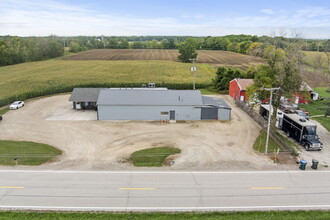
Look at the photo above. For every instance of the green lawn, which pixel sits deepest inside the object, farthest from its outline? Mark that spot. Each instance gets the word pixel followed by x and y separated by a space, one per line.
pixel 271 215
pixel 208 92
pixel 260 142
pixel 325 121
pixel 315 107
pixel 27 153
pixel 153 157
pixel 4 110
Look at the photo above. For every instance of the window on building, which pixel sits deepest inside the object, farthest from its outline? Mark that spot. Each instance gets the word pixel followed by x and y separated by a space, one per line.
pixel 164 113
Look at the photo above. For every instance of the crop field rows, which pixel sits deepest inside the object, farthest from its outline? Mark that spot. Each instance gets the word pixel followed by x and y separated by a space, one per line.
pixel 28 80
pixel 213 57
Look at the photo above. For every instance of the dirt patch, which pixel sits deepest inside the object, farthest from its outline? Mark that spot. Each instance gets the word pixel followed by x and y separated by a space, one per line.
pixel 105 145
pixel 213 57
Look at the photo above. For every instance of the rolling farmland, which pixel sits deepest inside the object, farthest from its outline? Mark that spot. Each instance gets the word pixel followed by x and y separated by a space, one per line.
pixel 213 57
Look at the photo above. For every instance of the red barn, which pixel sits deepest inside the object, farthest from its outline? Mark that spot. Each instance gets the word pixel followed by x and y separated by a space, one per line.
pixel 237 88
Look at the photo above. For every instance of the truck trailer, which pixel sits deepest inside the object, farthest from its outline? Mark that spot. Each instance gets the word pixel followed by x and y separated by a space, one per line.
pixel 264 112
pixel 302 130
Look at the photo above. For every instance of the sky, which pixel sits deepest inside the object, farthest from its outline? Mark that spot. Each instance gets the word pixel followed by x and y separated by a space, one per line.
pixel 310 18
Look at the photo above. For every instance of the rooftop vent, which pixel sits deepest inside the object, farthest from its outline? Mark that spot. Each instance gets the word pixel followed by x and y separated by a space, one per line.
pixel 302 120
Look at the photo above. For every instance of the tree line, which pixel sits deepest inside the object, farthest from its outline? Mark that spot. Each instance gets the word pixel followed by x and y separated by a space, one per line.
pixel 235 43
pixel 14 50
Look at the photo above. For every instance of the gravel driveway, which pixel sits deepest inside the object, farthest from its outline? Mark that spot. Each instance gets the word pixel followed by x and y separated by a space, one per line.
pixel 105 145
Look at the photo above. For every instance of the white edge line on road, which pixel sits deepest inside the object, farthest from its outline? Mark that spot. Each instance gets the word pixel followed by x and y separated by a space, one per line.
pixel 166 208
pixel 164 172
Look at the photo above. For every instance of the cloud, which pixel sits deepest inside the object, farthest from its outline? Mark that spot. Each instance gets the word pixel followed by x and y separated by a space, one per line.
pixel 268 11
pixel 45 17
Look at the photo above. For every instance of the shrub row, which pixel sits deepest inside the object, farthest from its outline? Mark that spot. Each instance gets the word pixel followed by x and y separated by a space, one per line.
pixel 61 89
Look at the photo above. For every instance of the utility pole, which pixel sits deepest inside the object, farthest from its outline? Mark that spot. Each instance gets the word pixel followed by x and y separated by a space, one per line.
pixel 193 71
pixel 269 114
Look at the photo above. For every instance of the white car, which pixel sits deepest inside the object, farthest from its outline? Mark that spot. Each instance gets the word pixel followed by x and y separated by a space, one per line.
pixel 17 105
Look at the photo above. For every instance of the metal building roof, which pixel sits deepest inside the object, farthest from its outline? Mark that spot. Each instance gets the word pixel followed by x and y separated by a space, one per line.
pixel 219 103
pixel 85 94
pixel 149 97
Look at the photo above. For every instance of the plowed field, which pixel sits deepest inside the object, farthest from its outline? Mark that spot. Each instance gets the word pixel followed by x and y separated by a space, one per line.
pixel 217 58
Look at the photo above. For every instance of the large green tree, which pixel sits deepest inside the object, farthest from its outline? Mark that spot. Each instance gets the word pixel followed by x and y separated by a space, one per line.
pixel 283 71
pixel 225 75
pixel 187 50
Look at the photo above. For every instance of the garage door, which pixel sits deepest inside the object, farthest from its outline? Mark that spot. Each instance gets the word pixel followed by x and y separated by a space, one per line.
pixel 209 113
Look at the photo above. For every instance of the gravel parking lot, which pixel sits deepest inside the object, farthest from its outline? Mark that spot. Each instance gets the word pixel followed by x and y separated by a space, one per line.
pixel 322 156
pixel 89 144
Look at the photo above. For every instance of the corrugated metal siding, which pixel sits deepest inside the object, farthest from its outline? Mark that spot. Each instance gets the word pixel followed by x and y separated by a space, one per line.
pixel 224 114
pixel 209 113
pixel 147 112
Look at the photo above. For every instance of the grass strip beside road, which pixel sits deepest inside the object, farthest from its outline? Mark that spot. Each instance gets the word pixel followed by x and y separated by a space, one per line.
pixel 260 143
pixel 153 157
pixel 27 153
pixel 269 215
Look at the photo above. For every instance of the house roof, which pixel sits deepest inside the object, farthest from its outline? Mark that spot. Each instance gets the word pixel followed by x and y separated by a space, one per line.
pixel 244 83
pixel 304 86
pixel 85 94
pixel 149 97
pixel 219 103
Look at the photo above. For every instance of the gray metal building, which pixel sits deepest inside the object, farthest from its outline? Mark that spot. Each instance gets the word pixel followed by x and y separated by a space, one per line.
pixel 160 105
pixel 150 104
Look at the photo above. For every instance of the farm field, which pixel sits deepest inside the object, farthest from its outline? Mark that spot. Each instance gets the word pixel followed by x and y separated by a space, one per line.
pixel 315 59
pixel 28 80
pixel 313 72
pixel 213 57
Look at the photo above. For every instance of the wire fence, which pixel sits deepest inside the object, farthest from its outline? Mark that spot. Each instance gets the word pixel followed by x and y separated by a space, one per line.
pixel 263 123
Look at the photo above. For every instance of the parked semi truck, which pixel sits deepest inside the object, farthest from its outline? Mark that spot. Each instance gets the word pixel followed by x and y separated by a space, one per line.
pixel 302 130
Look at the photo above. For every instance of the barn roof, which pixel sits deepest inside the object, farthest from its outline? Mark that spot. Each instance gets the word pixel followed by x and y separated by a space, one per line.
pixel 149 97
pixel 244 83
pixel 304 86
pixel 85 94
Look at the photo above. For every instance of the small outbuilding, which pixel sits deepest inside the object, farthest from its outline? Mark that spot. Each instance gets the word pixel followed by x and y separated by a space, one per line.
pixel 84 98
pixel 237 88
pixel 305 94
pixel 215 109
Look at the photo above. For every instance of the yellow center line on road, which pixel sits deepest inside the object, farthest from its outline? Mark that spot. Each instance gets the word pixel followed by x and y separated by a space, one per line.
pixel 136 188
pixel 12 187
pixel 267 187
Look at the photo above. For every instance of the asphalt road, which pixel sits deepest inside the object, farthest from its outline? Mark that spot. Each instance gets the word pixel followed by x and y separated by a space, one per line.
pixel 164 191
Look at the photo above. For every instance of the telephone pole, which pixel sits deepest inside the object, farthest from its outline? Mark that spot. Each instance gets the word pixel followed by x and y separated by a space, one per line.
pixel 269 114
pixel 193 71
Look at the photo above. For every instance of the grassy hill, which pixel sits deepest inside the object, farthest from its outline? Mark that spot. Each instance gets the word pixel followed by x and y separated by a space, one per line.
pixel 27 80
